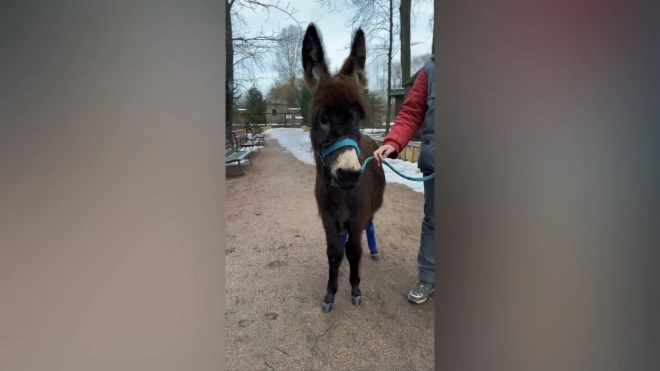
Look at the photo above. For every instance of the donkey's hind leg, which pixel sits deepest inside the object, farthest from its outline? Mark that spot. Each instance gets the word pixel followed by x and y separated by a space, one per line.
pixel 353 254
pixel 335 252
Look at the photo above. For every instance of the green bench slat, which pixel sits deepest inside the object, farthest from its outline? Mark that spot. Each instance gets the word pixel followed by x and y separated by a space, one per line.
pixel 236 156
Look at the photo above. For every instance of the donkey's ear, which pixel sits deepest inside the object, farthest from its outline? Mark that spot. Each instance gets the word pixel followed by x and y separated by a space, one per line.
pixel 313 58
pixel 356 61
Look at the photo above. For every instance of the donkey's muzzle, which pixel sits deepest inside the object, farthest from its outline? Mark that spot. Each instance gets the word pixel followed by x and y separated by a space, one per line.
pixel 346 179
pixel 345 168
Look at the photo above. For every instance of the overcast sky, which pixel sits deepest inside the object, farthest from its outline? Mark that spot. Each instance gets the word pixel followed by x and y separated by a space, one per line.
pixel 336 33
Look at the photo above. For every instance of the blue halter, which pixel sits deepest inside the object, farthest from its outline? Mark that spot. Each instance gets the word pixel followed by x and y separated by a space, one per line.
pixel 351 143
pixel 336 145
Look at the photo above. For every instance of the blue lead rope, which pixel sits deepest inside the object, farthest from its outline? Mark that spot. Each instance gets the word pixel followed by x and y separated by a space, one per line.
pixel 404 176
pixel 347 142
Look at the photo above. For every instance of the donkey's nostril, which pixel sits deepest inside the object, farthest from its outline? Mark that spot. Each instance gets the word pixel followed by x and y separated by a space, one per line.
pixel 347 178
pixel 348 174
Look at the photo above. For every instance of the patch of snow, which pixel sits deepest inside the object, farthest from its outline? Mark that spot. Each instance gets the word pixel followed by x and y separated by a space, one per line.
pixel 372 131
pixel 296 141
pixel 405 167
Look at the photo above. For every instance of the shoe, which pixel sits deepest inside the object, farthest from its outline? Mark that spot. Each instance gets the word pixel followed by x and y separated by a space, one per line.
pixel 421 292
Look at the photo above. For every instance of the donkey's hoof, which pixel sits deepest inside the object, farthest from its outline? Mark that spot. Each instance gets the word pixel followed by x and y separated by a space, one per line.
pixel 357 300
pixel 327 307
pixel 375 256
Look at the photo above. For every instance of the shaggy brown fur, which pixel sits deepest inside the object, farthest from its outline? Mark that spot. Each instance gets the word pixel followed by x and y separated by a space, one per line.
pixel 336 110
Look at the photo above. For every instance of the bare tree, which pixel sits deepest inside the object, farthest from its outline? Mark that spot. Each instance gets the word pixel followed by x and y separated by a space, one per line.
pixel 376 17
pixel 286 61
pixel 379 70
pixel 286 54
pixel 246 48
pixel 405 10
pixel 433 33
pixel 417 61
pixel 397 74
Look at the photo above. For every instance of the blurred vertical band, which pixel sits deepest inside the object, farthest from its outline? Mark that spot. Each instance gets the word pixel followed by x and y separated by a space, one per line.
pixel 111 192
pixel 548 187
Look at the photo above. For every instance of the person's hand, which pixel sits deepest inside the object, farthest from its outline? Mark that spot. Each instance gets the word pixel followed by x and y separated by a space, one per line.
pixel 382 153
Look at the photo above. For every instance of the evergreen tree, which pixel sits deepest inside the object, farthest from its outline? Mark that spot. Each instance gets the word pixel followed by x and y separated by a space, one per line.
pixel 374 108
pixel 255 107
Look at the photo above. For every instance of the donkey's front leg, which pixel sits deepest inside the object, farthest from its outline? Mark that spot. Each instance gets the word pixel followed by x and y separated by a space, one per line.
pixel 353 254
pixel 335 252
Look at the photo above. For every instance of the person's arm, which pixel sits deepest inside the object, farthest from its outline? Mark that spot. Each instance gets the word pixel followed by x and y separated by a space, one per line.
pixel 410 118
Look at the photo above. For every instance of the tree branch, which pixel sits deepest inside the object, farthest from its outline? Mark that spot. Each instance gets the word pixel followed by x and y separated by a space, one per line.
pixel 273 4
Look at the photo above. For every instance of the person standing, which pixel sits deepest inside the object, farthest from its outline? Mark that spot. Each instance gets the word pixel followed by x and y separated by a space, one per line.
pixel 417 112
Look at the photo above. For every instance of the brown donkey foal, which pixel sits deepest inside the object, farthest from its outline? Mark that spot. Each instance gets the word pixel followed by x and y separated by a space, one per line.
pixel 347 197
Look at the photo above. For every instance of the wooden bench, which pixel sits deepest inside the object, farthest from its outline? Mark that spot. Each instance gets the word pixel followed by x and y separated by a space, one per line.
pixel 256 134
pixel 242 141
pixel 232 156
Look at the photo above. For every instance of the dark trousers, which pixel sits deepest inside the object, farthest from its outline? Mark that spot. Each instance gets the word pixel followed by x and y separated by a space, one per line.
pixel 426 255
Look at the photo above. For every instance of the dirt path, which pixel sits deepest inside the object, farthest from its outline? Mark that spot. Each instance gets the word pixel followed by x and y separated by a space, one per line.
pixel 277 273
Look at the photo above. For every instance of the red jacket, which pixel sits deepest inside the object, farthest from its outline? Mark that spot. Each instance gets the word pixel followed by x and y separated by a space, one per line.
pixel 411 117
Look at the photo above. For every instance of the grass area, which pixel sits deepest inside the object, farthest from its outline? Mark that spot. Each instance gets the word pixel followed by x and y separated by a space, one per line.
pixel 305 128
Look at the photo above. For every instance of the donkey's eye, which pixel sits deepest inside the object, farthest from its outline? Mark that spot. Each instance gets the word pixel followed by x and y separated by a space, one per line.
pixel 323 123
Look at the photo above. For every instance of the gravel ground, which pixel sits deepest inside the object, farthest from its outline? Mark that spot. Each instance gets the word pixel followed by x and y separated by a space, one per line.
pixel 277 273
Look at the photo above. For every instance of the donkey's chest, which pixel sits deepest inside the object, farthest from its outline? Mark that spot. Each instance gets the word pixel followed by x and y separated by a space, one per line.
pixel 341 208
pixel 342 213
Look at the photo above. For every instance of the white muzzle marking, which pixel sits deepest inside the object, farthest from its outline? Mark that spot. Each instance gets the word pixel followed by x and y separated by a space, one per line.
pixel 347 159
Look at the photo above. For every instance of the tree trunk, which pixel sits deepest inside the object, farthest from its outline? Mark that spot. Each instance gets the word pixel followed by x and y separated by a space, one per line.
pixel 388 109
pixel 433 44
pixel 405 10
pixel 229 71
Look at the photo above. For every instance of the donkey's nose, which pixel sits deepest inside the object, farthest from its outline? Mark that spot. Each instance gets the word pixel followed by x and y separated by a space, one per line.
pixel 347 178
